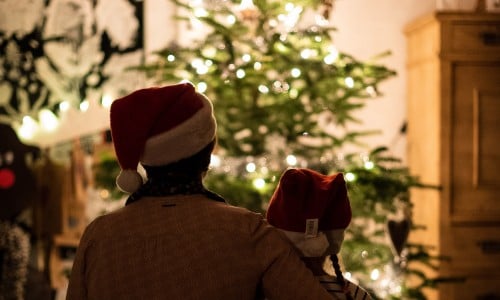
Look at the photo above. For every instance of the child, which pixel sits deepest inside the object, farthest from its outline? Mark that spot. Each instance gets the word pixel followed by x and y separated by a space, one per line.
pixel 313 211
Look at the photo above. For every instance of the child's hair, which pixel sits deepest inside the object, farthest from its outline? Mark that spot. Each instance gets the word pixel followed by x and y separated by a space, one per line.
pixel 336 267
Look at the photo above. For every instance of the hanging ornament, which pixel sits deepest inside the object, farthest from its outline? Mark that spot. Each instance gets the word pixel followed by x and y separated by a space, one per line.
pixel 247 11
pixel 398 232
pixel 327 8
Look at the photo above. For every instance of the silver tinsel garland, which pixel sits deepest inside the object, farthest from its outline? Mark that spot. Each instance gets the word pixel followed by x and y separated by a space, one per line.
pixel 14 255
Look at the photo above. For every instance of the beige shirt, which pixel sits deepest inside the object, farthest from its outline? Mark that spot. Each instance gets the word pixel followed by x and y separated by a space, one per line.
pixel 187 247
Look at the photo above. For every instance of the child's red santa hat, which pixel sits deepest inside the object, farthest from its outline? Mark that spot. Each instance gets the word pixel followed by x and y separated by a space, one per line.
pixel 312 209
pixel 158 126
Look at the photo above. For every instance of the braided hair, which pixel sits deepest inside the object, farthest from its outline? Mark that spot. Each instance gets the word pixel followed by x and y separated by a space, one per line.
pixel 336 266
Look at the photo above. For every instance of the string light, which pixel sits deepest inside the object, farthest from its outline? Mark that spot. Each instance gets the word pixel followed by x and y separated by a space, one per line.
pixel 64 106
pixel 48 120
pixel 28 128
pixel 250 167
pixel 291 160
pixel 215 161
pixel 231 19
pixel 369 165
pixel 305 53
pixel 370 90
pixel 202 87
pixel 295 72
pixel 350 176
pixel 84 106
pixel 106 101
pixel 259 183
pixel 349 82
pixel 375 274
pixel 240 73
pixel 332 55
pixel 263 89
pixel 170 57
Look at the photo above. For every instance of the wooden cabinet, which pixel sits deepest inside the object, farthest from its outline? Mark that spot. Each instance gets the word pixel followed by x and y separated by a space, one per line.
pixel 453 102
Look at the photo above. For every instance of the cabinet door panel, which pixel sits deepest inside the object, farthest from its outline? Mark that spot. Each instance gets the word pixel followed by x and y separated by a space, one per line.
pixel 475 162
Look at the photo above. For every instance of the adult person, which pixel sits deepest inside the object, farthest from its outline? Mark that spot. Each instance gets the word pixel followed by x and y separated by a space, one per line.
pixel 313 211
pixel 174 239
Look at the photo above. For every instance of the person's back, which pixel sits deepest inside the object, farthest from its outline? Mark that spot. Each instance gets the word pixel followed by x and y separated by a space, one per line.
pixel 185 247
pixel 174 239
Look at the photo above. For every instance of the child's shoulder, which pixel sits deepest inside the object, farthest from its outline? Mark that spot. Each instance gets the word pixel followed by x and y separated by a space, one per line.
pixel 334 287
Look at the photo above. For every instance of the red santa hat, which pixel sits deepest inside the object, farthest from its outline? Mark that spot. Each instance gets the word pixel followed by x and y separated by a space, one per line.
pixel 157 126
pixel 312 209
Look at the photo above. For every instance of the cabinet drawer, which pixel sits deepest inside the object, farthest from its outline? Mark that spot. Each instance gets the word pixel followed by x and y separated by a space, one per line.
pixel 472 37
pixel 474 250
pixel 473 288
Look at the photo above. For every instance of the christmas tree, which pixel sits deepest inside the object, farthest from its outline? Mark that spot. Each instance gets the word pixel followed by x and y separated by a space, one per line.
pixel 284 96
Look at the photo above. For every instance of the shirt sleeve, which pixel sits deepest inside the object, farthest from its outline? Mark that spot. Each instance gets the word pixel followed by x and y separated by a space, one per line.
pixel 284 275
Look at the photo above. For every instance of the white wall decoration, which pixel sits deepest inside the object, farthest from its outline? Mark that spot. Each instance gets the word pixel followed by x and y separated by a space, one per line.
pixel 70 52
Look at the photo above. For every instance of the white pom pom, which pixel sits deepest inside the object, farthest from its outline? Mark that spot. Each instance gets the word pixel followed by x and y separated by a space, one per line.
pixel 129 181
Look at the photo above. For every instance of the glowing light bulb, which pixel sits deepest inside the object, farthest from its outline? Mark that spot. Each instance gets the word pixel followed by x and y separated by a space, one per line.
pixel 375 274
pixel 84 106
pixel 203 69
pixel 369 165
pixel 170 57
pixel 370 90
pixel 200 12
pixel 349 82
pixel 295 72
pixel 231 19
pixel 257 66
pixel 291 160
pixel 48 120
pixel 246 57
pixel 350 176
pixel 202 87
pixel 306 53
pixel 259 183
pixel 251 167
pixel 263 89
pixel 215 161
pixel 106 101
pixel 332 56
pixel 196 63
pixel 28 128
pixel 64 106
pixel 240 73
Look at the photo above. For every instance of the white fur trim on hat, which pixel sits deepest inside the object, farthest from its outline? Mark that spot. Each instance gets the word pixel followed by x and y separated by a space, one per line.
pixel 129 181
pixel 326 242
pixel 308 246
pixel 182 141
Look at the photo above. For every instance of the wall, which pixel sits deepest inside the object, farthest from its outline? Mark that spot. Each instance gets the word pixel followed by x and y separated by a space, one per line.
pixel 366 28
